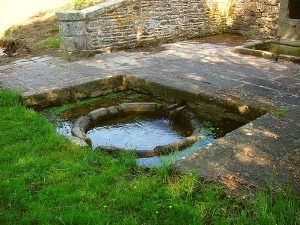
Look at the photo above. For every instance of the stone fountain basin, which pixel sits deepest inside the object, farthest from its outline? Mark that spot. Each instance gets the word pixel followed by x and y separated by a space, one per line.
pixel 271 50
pixel 84 123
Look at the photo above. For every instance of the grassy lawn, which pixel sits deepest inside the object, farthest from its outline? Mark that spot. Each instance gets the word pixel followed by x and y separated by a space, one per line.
pixel 47 180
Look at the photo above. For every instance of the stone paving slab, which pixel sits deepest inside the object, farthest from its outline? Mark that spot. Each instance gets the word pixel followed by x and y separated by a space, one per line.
pixel 247 157
pixel 265 149
pixel 209 66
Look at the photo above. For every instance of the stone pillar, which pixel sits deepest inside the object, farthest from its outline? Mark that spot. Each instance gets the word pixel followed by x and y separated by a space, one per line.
pixel 73 34
pixel 288 29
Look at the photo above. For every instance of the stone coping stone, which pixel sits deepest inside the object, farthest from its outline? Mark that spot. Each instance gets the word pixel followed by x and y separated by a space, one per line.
pixel 94 11
pixel 91 12
pixel 80 91
pixel 250 50
pixel 76 141
pixel 82 125
pixel 70 15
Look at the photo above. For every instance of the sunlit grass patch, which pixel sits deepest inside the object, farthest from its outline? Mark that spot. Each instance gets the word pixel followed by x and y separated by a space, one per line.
pixel 51 42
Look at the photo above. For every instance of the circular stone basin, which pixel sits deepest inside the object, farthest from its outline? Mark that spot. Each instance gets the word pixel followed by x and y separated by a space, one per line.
pixel 150 126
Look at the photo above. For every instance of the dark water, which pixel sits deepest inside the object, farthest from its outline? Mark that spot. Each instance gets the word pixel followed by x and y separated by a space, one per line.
pixel 137 132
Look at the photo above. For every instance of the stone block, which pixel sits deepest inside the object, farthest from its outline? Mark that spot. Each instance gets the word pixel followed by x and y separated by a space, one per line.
pixel 79 128
pixel 74 55
pixel 98 114
pixel 298 29
pixel 77 141
pixel 70 15
pixel 138 107
pixel 72 28
pixel 74 43
pixel 288 32
pixel 113 110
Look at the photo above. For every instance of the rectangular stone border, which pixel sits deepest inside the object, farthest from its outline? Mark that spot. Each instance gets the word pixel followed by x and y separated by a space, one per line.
pixel 220 107
pixel 251 50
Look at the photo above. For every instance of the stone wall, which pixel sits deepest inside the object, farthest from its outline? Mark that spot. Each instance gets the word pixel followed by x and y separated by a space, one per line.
pixel 128 23
pixel 257 18
pixel 117 24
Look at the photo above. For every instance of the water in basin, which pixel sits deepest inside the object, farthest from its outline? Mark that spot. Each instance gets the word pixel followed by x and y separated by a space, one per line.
pixel 137 132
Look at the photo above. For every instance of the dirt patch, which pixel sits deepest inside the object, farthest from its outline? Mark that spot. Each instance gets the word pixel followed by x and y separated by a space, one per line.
pixel 23 40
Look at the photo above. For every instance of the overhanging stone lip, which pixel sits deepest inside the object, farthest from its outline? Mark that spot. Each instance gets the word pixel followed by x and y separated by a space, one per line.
pixel 82 124
pixel 68 94
pixel 122 82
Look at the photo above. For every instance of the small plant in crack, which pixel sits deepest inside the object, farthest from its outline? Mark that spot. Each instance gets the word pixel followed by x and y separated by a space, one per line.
pixel 280 112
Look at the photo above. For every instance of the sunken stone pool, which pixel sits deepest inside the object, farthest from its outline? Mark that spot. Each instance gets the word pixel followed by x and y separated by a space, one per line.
pixel 146 137
pixel 158 131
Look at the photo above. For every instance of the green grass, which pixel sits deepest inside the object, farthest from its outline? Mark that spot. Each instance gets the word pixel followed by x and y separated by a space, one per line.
pixel 47 180
pixel 58 110
pixel 51 42
pixel 280 112
pixel 79 4
pixel 131 95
